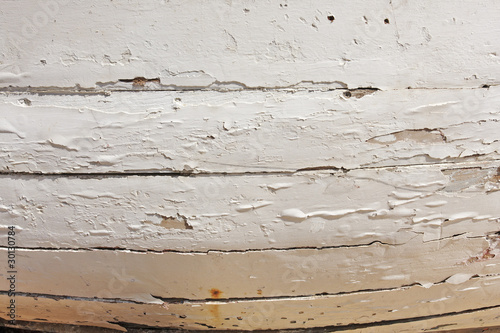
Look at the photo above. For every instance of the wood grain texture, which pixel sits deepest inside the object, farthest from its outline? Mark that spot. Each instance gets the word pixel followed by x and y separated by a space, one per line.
pixel 240 44
pixel 258 274
pixel 420 308
pixel 242 165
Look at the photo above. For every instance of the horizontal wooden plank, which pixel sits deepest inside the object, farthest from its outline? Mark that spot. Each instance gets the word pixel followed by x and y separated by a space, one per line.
pixel 273 273
pixel 389 44
pixel 472 322
pixel 246 131
pixel 468 304
pixel 309 209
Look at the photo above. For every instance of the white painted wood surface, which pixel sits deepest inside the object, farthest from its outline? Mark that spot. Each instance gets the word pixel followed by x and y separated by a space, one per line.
pixel 251 131
pixel 251 165
pixel 246 44
pixel 251 211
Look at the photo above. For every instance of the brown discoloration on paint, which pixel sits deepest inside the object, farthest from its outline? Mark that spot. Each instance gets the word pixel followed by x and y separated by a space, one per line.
pixel 215 312
pixel 216 293
pixel 214 308
pixel 259 291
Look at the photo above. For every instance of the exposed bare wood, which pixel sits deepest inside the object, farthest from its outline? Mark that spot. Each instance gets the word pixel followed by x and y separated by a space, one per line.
pixel 417 307
pixel 255 274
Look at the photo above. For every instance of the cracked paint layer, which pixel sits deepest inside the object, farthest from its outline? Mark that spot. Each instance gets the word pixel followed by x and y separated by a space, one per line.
pixel 251 166
pixel 415 306
pixel 257 274
pixel 239 212
pixel 251 131
pixel 417 44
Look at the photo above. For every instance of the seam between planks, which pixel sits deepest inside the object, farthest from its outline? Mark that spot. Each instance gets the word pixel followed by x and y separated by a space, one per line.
pixel 209 301
pixel 333 170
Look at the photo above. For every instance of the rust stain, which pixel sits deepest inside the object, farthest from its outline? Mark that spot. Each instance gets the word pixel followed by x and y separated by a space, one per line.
pixel 214 308
pixel 216 293
pixel 259 291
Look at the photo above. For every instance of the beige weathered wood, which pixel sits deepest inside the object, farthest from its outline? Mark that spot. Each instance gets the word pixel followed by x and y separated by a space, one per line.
pixel 460 323
pixel 256 274
pixel 452 302
pixel 251 131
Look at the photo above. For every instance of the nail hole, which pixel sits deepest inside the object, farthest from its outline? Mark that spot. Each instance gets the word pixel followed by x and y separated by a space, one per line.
pixel 386 21
pixel 331 18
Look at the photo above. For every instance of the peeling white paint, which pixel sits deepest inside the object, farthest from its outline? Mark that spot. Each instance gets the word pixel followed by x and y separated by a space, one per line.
pixel 341 209
pixel 250 166
pixel 271 131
